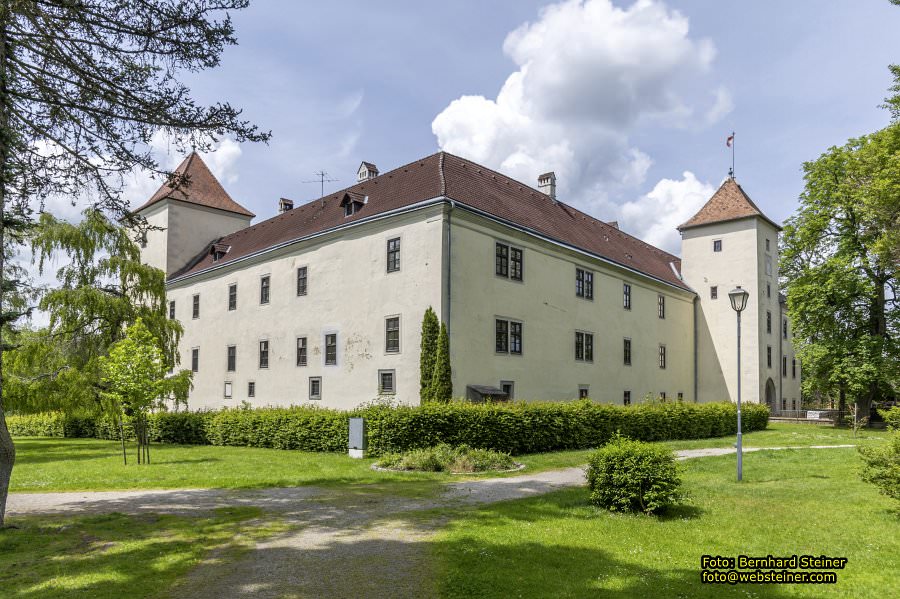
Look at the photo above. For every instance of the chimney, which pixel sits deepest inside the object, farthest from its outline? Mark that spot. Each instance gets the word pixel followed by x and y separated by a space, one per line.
pixel 285 204
pixel 547 184
pixel 366 171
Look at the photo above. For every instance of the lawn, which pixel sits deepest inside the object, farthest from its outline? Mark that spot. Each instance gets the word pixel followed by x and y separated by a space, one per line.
pixel 113 556
pixel 90 464
pixel 791 502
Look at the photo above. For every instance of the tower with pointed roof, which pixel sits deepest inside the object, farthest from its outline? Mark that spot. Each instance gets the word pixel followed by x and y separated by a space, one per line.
pixel 730 243
pixel 187 212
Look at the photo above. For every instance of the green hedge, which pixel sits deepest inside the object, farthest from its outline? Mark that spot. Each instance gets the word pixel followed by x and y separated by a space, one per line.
pixel 514 428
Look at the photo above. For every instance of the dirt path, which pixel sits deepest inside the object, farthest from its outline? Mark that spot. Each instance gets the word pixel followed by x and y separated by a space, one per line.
pixel 339 544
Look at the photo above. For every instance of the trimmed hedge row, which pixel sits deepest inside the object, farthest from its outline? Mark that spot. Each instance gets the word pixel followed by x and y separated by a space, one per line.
pixel 514 428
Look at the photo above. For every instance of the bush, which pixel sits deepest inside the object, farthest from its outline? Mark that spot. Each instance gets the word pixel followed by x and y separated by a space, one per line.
pixel 891 417
pixel 512 428
pixel 633 476
pixel 446 458
pixel 882 467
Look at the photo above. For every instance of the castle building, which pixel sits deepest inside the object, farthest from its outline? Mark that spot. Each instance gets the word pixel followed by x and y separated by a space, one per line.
pixel 324 301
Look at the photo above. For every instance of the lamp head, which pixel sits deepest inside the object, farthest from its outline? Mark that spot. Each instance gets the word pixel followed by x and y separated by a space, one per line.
pixel 738 297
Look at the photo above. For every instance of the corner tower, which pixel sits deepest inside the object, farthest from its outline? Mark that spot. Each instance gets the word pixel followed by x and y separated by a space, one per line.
pixel 731 243
pixel 190 210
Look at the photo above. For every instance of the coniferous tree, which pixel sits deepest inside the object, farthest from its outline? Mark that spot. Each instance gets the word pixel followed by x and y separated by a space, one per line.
pixel 441 381
pixel 84 87
pixel 430 332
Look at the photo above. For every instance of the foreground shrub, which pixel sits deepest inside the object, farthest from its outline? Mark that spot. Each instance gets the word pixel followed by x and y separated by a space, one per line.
pixel 446 458
pixel 633 476
pixel 882 467
pixel 891 417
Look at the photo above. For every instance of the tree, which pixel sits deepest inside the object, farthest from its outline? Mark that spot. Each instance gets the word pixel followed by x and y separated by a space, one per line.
pixel 84 86
pixel 103 289
pixel 134 373
pixel 430 331
pixel 441 380
pixel 840 269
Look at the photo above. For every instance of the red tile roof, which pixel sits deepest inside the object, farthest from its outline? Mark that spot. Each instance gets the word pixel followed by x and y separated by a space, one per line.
pixel 730 202
pixel 470 186
pixel 192 182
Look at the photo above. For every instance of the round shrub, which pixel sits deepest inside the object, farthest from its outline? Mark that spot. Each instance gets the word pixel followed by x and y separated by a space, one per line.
pixel 633 476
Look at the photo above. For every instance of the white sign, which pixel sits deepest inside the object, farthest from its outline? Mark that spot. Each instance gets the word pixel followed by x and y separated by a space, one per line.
pixel 813 415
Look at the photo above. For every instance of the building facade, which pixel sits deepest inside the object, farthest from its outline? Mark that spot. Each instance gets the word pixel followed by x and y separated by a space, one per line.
pixel 324 302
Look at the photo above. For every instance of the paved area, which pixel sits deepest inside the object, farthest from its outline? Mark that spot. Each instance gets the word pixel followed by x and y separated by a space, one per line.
pixel 338 545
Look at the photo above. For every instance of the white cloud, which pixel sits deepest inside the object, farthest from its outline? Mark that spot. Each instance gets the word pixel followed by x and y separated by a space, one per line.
pixel 589 74
pixel 654 216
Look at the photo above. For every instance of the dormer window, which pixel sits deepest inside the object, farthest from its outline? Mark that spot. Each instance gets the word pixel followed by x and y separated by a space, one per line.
pixel 218 251
pixel 366 171
pixel 353 202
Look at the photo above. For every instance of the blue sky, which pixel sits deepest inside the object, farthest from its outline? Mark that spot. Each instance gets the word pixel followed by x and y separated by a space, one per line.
pixel 630 103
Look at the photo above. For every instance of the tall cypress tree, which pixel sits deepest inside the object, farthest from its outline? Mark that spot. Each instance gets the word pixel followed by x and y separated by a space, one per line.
pixel 430 332
pixel 441 382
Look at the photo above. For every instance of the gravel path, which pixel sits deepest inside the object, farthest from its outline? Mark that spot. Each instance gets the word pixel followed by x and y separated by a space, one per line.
pixel 339 544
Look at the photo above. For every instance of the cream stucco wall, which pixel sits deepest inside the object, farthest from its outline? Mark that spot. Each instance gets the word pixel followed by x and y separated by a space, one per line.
pixel 184 231
pixel 546 303
pixel 742 262
pixel 349 293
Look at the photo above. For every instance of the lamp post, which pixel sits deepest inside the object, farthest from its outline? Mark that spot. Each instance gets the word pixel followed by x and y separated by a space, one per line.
pixel 738 299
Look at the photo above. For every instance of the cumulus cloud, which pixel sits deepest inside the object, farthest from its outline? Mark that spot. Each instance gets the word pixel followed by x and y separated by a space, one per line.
pixel 667 205
pixel 589 75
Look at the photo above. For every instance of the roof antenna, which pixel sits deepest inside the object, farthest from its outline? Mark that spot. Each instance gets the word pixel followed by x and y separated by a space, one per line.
pixel 322 179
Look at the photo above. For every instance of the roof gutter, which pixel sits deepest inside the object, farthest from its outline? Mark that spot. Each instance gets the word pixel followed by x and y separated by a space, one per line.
pixel 424 204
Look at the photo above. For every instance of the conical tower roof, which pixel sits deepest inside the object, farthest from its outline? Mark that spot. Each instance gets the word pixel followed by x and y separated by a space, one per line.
pixel 730 202
pixel 194 183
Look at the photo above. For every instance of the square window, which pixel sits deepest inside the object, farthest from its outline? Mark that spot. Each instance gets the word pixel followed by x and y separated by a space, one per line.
pixel 584 347
pixel 232 296
pixel 251 389
pixel 626 296
pixel 315 387
pixel 583 391
pixel 680 396
pixel 626 398
pixel 227 389
pixel 508 262
pixel 714 292
pixel 626 351
pixel 331 349
pixel 584 284
pixel 301 351
pixel 196 306
pixel 264 354
pixel 392 334
pixel 508 337
pixel 662 356
pixel 301 280
pixel 264 290
pixel 172 309
pixel 232 358
pixel 717 245
pixel 508 387
pixel 661 303
pixel 386 382
pixel 393 254
pixel 195 359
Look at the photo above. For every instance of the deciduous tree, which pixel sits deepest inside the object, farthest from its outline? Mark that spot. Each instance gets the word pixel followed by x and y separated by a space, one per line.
pixel 84 86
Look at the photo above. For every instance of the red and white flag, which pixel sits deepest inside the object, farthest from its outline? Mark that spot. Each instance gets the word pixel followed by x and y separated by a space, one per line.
pixel 730 140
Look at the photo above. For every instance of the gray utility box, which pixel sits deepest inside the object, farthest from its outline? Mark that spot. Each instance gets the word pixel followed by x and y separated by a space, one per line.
pixel 358 439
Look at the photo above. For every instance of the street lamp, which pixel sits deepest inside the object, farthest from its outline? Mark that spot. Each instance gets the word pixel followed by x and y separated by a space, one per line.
pixel 738 299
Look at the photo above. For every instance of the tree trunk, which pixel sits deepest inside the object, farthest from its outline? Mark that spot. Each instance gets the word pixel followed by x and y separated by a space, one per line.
pixel 7 459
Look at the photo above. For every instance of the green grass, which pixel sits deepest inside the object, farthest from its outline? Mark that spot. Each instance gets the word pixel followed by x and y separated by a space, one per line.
pixel 91 464
pixel 791 502
pixel 113 556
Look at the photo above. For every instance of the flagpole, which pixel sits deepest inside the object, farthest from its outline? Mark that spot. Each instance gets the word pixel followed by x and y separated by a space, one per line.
pixel 732 154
